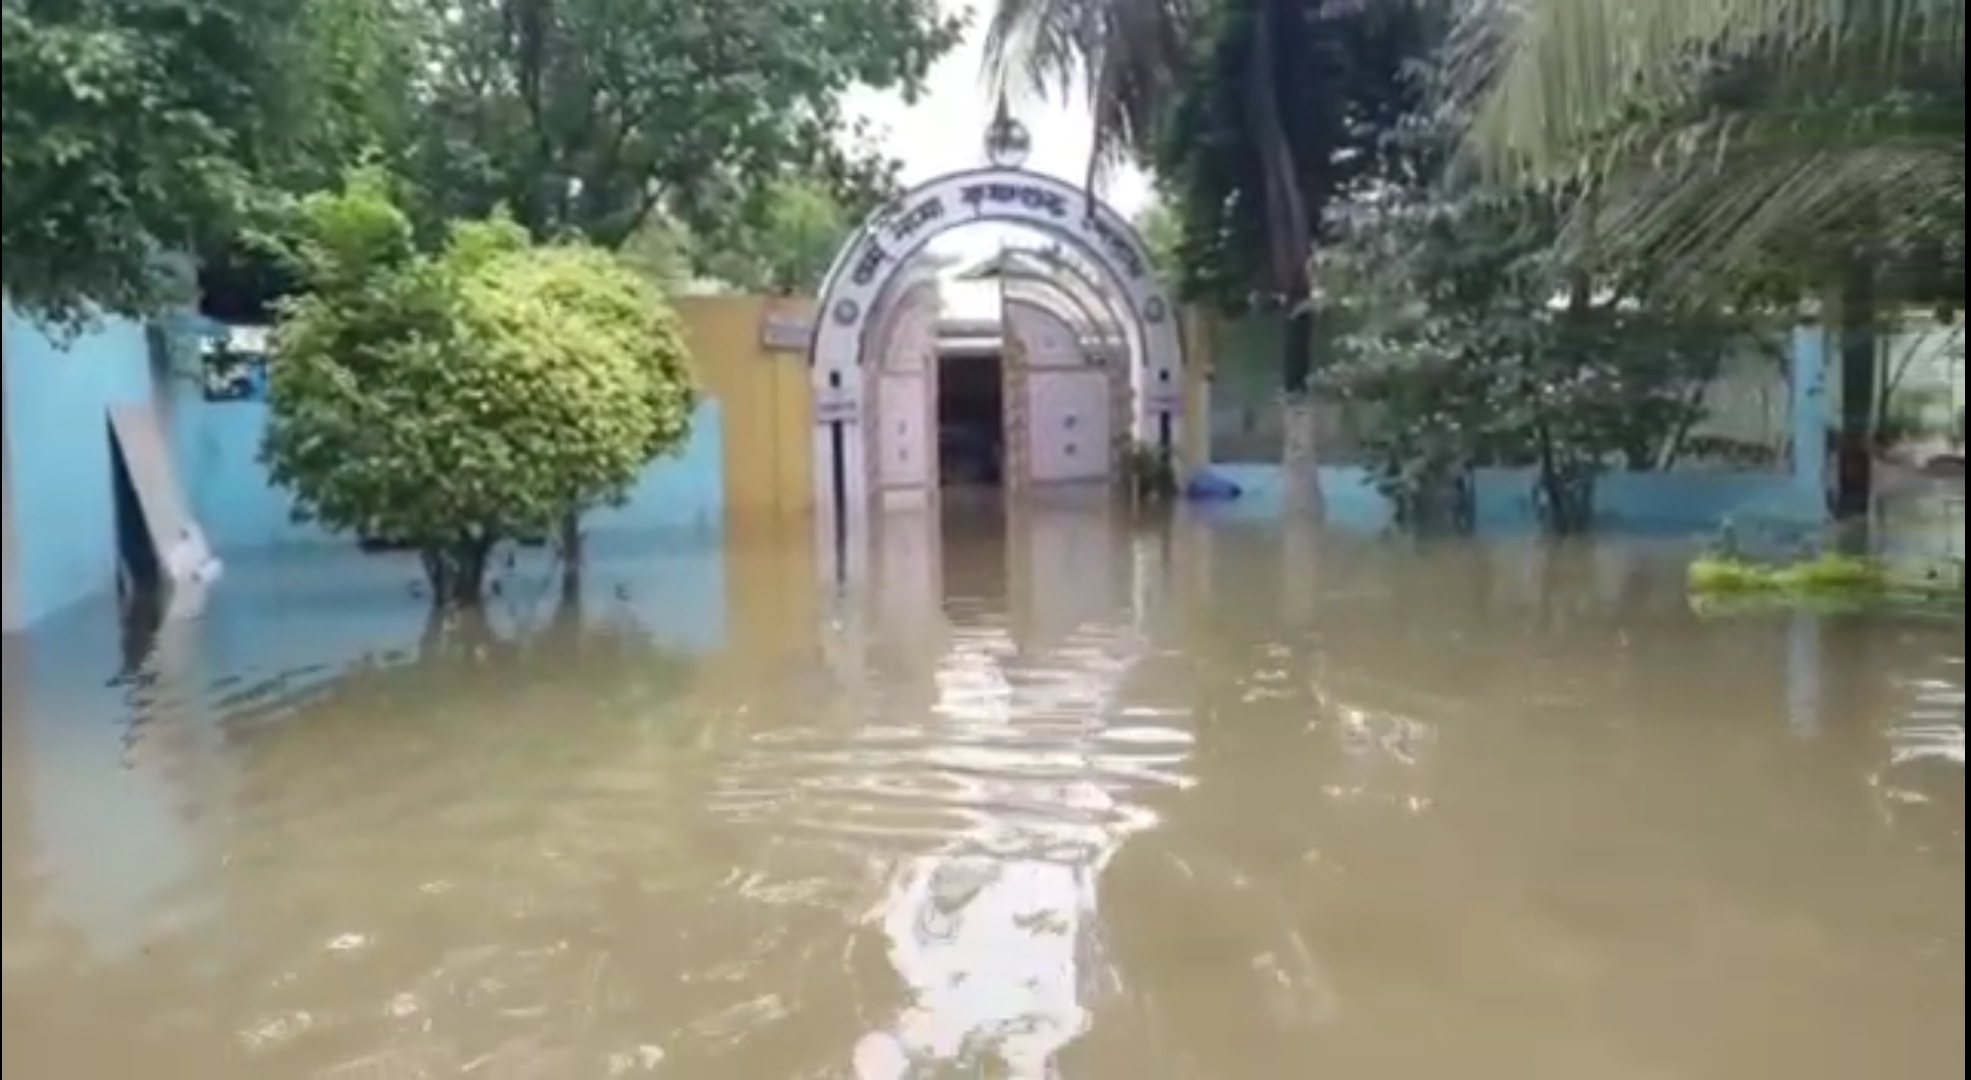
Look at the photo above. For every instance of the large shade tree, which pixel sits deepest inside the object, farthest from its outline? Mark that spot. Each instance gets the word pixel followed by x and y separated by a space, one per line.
pixel 586 116
pixel 122 128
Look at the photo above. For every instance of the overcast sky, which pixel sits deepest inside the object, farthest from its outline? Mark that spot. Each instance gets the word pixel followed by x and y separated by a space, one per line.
pixel 945 132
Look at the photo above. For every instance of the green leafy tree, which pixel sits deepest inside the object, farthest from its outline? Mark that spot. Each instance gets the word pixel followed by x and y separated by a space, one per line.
pixel 785 247
pixel 1163 234
pixel 586 116
pixel 123 125
pixel 1475 338
pixel 1727 138
pixel 457 400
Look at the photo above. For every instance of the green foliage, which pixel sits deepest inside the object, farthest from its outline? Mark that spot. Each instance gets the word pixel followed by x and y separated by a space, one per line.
pixel 122 124
pixel 1730 137
pixel 786 246
pixel 661 250
pixel 350 90
pixel 783 242
pixel 1722 584
pixel 1163 234
pixel 1341 76
pixel 1152 471
pixel 1462 324
pixel 586 116
pixel 1827 572
pixel 627 124
pixel 456 400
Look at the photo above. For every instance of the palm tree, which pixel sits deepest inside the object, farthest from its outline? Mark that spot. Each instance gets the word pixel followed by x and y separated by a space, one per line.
pixel 1129 60
pixel 1725 138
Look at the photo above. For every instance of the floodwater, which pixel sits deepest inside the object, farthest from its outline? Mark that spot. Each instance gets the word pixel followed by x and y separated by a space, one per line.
pixel 1074 800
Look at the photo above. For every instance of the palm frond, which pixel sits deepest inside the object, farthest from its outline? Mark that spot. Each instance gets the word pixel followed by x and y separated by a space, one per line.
pixel 1702 220
pixel 1542 75
pixel 1124 58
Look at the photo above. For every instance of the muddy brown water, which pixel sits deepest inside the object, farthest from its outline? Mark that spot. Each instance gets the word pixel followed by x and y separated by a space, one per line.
pixel 1066 800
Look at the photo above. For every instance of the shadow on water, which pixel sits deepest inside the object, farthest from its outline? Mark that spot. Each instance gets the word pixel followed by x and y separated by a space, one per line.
pixel 1051 795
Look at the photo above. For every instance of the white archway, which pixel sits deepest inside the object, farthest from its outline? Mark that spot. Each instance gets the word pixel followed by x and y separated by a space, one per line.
pixel 857 282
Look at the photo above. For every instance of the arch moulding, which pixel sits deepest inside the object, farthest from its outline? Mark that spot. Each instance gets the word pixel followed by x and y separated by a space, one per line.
pixel 857 284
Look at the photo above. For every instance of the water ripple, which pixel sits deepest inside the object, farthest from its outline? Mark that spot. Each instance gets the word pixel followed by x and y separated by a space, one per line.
pixel 994 815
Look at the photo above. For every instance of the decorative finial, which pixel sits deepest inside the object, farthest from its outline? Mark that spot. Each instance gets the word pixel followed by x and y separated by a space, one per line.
pixel 1007 142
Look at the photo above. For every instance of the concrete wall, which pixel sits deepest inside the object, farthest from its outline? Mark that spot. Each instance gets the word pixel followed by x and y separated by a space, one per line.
pixel 767 403
pixel 1639 501
pixel 218 443
pixel 1642 502
pixel 60 517
pixel 58 396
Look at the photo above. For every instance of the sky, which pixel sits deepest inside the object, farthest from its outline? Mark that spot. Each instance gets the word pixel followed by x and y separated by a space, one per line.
pixel 945 132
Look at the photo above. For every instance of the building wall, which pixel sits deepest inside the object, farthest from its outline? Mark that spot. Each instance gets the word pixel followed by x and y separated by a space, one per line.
pixel 60 517
pixel 766 399
pixel 218 446
pixel 57 401
pixel 1773 397
pixel 1638 501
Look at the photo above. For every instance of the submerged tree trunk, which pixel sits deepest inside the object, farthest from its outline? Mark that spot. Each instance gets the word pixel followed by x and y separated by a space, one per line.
pixel 457 572
pixel 1854 453
pixel 1565 490
pixel 571 556
pixel 1288 249
pixel 1300 459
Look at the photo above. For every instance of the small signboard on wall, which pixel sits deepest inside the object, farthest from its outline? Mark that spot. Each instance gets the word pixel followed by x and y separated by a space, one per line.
pixel 785 333
pixel 834 408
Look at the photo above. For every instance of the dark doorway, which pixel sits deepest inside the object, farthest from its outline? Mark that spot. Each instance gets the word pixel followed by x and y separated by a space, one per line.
pixel 138 568
pixel 971 420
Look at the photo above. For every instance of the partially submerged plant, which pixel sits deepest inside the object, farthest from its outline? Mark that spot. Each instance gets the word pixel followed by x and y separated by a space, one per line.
pixel 458 400
pixel 1152 472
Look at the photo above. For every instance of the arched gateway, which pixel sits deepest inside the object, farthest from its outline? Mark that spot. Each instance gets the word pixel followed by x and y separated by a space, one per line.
pixel 849 387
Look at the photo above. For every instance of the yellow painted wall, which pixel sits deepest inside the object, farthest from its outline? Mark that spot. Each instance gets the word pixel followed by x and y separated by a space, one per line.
pixel 765 403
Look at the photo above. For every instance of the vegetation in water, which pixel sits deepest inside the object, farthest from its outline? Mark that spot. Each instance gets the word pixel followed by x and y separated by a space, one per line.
pixel 1736 572
pixel 458 400
pixel 1152 472
pixel 1505 233
pixel 1466 343
pixel 1595 216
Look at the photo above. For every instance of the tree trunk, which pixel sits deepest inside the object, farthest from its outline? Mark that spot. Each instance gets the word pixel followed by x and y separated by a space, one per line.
pixel 1854 460
pixel 1288 247
pixel 571 557
pixel 457 572
pixel 1300 463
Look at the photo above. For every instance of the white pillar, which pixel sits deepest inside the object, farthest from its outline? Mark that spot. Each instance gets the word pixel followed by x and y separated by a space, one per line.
pixel 1807 381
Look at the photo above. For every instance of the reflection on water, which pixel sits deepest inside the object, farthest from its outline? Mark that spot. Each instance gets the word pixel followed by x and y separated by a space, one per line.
pixel 1068 800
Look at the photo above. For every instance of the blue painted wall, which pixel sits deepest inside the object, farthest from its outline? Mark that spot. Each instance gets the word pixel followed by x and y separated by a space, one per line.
pixel 57 400
pixel 218 444
pixel 1631 501
pixel 1639 502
